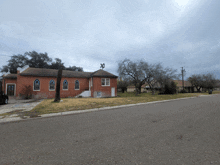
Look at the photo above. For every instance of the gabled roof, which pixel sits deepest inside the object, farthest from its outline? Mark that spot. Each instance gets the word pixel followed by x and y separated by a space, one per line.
pixel 11 76
pixel 102 73
pixel 43 72
pixel 179 83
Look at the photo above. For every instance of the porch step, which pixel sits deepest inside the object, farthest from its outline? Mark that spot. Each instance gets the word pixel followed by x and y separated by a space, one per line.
pixel 85 94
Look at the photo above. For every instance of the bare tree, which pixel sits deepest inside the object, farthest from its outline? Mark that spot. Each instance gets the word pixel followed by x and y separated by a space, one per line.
pixel 123 84
pixel 141 72
pixel 199 81
pixel 157 76
pixel 209 81
pixel 134 70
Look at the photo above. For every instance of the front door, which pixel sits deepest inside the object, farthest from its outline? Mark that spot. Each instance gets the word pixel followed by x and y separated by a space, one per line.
pixel 113 92
pixel 10 90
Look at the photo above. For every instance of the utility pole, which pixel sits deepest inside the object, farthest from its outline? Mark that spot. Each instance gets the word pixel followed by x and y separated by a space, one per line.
pixel 182 71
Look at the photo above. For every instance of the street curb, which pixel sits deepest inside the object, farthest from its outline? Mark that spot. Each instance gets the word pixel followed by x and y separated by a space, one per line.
pixel 5 120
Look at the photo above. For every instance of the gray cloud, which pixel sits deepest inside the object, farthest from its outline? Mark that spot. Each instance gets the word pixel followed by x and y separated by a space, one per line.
pixel 87 33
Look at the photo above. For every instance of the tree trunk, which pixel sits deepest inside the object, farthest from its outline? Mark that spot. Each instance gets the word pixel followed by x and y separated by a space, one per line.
pixel 136 89
pixel 59 76
pixel 153 91
pixel 139 90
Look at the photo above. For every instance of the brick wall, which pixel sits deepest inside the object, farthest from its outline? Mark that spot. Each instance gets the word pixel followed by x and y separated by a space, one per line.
pixel 105 90
pixel 71 92
pixel 6 82
pixel 44 91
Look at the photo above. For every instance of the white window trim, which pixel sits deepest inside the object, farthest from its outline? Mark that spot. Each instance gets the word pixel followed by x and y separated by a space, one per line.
pixel 67 85
pixel 54 86
pixel 75 85
pixel 7 88
pixel 33 85
pixel 105 81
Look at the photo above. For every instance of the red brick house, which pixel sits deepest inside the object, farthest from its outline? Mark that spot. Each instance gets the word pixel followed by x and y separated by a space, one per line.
pixel 73 83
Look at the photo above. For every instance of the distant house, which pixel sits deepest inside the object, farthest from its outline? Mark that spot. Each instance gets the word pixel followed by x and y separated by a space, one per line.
pixel 187 86
pixel 131 88
pixel 217 86
pixel 73 83
pixel 144 88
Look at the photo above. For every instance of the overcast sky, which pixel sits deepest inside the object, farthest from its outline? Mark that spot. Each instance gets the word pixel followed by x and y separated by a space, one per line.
pixel 85 33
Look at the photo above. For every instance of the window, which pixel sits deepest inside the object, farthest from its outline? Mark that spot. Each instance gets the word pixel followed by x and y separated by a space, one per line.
pixel 99 94
pixel 105 81
pixel 52 85
pixel 36 85
pixel 65 84
pixel 77 85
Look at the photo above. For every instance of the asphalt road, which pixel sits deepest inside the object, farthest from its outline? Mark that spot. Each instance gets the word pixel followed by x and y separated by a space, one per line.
pixel 176 132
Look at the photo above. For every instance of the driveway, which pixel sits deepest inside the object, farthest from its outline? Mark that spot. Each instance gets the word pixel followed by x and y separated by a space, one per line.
pixel 18 105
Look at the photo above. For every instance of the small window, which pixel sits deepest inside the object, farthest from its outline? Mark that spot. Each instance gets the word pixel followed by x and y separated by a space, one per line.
pixel 52 85
pixel 99 94
pixel 77 85
pixel 65 84
pixel 36 85
pixel 105 82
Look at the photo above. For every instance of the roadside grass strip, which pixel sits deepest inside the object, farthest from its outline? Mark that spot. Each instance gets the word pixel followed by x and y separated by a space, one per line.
pixel 73 104
pixel 67 105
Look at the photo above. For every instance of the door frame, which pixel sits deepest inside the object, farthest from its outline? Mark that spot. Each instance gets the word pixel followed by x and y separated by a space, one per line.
pixel 7 88
pixel 111 91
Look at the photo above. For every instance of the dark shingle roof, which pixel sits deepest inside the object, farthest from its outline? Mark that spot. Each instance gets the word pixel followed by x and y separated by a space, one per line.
pixel 179 83
pixel 43 72
pixel 102 73
pixel 11 76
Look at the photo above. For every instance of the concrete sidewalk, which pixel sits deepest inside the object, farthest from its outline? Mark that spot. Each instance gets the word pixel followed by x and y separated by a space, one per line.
pixel 18 105
pixel 29 106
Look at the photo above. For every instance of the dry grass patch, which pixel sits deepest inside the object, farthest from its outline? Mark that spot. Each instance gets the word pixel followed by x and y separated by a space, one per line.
pixel 71 104
pixel 48 106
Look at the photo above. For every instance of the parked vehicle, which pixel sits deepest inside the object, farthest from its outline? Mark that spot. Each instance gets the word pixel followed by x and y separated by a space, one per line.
pixel 3 98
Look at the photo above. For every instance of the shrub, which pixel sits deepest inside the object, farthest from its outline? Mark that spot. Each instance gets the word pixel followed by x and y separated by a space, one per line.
pixel 183 91
pixel 169 88
pixel 26 92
